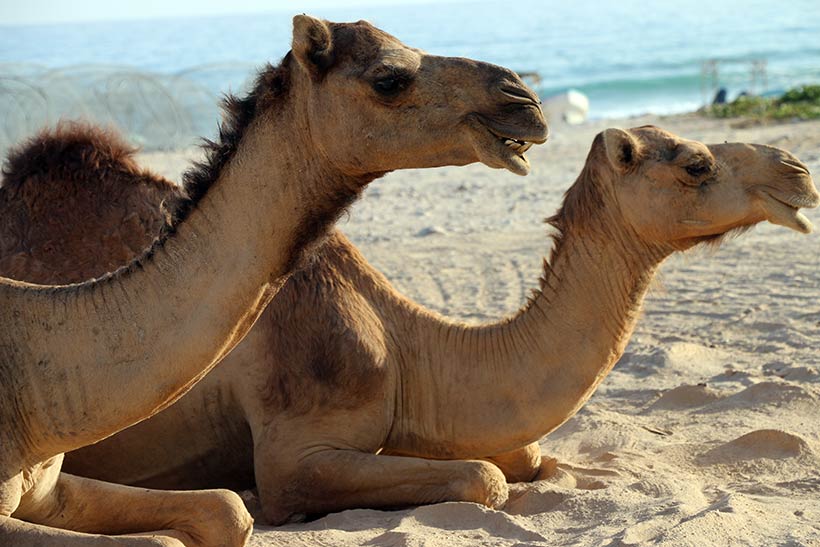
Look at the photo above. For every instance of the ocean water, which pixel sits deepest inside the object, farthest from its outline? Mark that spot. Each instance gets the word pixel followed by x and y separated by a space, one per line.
pixel 629 57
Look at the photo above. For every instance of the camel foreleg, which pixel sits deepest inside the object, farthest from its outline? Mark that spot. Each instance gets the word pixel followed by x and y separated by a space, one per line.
pixel 18 533
pixel 76 507
pixel 334 480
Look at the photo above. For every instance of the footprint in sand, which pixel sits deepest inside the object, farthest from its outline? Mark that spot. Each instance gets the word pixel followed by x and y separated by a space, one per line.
pixel 681 359
pixel 685 396
pixel 777 394
pixel 771 444
pixel 550 489
pixel 795 373
pixel 456 524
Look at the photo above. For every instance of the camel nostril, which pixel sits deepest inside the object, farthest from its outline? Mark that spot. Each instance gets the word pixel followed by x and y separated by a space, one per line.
pixel 520 95
pixel 797 165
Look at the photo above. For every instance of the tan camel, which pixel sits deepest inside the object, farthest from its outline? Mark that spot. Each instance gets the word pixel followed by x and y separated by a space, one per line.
pixel 344 385
pixel 81 362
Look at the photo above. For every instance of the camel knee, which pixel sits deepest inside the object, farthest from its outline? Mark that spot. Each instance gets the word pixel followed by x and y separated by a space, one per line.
pixel 484 483
pixel 284 501
pixel 276 514
pixel 223 520
pixel 521 465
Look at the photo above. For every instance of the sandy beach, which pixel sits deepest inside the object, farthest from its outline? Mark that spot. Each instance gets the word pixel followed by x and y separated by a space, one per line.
pixel 708 430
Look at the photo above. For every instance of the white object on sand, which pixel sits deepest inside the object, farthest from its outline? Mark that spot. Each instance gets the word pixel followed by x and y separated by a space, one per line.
pixel 571 106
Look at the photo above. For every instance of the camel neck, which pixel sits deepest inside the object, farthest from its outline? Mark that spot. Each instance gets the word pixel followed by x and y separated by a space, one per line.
pixel 504 385
pixel 123 347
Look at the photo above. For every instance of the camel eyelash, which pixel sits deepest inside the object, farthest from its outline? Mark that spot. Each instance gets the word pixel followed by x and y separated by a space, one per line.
pixel 391 84
pixel 698 170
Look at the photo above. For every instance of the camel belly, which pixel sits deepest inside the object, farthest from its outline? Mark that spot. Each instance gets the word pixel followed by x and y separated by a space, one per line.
pixel 202 441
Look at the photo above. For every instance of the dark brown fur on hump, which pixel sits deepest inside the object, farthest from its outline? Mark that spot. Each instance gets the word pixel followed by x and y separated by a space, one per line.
pixel 74 205
pixel 71 151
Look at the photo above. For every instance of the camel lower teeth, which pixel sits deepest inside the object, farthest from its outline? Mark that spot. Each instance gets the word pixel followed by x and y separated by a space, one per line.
pixel 517 145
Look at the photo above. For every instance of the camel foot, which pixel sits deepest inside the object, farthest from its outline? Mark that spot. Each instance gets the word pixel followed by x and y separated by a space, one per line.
pixel 483 483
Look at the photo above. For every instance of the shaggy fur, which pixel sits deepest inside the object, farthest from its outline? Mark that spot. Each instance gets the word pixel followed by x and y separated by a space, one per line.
pixel 271 85
pixel 91 172
pixel 67 153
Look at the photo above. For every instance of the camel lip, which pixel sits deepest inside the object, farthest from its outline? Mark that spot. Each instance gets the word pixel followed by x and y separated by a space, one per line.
pixel 499 151
pixel 804 200
pixel 520 138
pixel 785 210
pixel 514 132
pixel 795 201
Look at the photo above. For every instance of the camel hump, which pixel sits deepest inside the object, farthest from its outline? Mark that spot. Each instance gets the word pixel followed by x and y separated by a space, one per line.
pixel 72 151
pixel 74 205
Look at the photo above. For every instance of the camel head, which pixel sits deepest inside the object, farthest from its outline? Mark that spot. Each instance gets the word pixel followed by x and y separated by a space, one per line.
pixel 681 192
pixel 373 105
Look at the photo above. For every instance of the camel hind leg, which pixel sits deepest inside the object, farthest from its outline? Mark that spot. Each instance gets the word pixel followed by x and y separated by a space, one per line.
pixel 211 518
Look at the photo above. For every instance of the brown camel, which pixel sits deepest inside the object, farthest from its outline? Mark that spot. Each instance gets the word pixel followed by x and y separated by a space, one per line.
pixel 343 386
pixel 81 362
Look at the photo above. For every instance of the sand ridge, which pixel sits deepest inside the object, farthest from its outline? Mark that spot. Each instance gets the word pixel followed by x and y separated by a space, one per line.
pixel 707 432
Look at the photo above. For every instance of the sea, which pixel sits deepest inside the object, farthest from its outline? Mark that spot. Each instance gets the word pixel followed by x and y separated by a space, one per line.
pixel 628 57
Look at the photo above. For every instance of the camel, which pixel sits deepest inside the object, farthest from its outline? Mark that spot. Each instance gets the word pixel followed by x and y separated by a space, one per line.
pixel 80 362
pixel 346 394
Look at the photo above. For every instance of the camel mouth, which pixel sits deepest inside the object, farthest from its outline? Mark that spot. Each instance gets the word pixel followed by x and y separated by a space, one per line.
pixel 785 211
pixel 517 146
pixel 501 149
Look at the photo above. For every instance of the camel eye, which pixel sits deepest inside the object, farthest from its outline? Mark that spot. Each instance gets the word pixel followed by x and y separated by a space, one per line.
pixel 698 170
pixel 390 85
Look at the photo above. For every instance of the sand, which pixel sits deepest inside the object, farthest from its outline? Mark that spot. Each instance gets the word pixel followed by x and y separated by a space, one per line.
pixel 708 430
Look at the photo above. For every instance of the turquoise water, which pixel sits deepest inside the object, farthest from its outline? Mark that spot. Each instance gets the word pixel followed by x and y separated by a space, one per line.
pixel 629 57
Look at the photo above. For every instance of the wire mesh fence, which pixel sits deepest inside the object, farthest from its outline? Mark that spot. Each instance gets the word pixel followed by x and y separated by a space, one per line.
pixel 153 110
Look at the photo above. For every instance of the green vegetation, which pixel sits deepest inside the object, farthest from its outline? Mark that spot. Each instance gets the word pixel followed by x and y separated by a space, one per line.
pixel 801 103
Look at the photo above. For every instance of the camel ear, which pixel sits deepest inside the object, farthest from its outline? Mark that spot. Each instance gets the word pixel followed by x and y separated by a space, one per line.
pixel 622 149
pixel 312 44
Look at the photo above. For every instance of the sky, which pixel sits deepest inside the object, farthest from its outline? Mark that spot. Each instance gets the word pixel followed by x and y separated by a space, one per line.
pixel 15 12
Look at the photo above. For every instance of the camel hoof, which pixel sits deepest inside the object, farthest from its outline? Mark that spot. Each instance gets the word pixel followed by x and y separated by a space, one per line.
pixel 485 484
